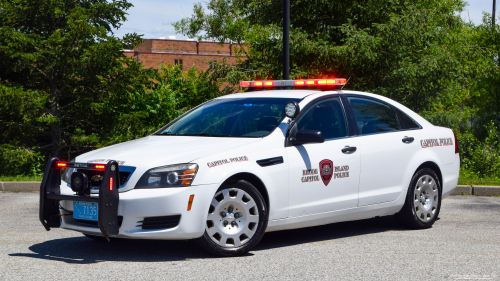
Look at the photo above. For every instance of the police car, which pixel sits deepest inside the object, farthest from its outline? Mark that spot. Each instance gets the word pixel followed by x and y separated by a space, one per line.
pixel 263 160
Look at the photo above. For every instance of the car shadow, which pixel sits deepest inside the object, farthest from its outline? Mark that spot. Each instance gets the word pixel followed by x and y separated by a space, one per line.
pixel 328 232
pixel 82 250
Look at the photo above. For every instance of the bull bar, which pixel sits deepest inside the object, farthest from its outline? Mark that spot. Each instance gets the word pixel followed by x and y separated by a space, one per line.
pixel 50 195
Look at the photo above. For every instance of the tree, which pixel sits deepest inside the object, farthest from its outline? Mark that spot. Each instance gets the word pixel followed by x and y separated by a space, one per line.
pixel 59 65
pixel 410 51
pixel 174 92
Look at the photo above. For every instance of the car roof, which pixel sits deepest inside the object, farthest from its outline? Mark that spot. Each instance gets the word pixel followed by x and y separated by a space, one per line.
pixel 294 94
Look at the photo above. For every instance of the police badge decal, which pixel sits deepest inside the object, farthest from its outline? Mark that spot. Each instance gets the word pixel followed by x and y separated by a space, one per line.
pixel 326 170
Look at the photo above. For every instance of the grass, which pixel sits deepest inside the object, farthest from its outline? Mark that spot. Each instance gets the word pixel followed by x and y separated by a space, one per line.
pixel 463 180
pixel 21 178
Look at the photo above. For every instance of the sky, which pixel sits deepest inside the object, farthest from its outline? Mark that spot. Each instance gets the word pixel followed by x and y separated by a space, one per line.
pixel 154 18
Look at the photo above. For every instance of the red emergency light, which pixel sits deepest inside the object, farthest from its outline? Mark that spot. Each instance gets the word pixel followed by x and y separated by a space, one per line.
pixel 302 83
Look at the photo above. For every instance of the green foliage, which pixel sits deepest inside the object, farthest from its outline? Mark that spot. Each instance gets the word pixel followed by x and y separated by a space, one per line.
pixel 67 88
pixel 174 92
pixel 57 70
pixel 20 161
pixel 21 178
pixel 468 179
pixel 411 51
pixel 481 158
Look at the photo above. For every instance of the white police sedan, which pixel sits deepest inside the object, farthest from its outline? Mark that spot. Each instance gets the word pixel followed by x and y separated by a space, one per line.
pixel 241 165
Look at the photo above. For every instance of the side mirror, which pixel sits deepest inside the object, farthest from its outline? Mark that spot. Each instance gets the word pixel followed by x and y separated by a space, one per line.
pixel 308 136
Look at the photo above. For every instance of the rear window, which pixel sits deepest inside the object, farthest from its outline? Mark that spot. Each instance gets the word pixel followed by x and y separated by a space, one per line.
pixel 407 122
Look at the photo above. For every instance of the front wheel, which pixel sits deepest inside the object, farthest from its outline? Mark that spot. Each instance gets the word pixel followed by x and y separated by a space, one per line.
pixel 236 220
pixel 423 201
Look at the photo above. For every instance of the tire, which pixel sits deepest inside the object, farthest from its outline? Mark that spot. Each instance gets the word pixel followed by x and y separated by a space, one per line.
pixel 236 220
pixel 423 201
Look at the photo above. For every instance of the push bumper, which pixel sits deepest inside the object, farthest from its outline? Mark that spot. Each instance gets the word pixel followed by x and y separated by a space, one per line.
pixel 50 196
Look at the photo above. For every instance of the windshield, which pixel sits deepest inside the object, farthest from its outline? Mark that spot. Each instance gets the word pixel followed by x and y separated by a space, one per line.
pixel 244 117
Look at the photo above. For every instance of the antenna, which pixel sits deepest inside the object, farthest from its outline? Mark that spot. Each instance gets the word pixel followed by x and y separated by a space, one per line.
pixel 346 82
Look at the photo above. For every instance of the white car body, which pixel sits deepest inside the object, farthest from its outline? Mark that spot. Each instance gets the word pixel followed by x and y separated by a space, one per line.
pixel 379 173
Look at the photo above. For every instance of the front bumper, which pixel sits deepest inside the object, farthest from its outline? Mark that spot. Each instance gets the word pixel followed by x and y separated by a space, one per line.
pixel 137 204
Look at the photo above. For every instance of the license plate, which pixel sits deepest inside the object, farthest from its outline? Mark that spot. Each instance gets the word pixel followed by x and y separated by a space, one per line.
pixel 85 210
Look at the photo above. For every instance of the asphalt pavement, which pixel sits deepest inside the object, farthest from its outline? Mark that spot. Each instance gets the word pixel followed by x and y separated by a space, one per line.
pixel 464 244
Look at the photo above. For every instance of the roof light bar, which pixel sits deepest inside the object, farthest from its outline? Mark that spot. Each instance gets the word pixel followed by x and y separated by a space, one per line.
pixel 296 83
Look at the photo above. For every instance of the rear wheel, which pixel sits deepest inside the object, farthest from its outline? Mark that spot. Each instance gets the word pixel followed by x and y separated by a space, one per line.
pixel 423 201
pixel 236 220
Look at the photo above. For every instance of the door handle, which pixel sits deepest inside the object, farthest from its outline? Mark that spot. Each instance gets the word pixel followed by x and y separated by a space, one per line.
pixel 349 149
pixel 408 139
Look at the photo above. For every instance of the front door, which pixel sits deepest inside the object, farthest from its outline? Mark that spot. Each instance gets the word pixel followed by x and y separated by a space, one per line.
pixel 323 177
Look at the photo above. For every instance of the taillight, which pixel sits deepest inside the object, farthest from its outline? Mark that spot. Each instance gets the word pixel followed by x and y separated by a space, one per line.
pixel 456 143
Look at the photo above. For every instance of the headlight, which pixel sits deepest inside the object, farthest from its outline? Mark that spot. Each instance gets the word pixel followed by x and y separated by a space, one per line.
pixel 179 175
pixel 66 175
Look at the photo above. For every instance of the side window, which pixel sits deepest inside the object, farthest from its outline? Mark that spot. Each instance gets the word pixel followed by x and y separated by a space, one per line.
pixel 326 116
pixel 373 117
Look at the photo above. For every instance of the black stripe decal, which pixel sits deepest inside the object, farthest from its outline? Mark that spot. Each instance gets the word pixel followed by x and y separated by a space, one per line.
pixel 270 161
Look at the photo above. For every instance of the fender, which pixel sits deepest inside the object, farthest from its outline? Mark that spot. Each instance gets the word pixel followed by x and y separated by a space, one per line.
pixel 219 167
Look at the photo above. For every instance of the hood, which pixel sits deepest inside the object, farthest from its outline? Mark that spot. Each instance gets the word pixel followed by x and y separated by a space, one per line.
pixel 154 151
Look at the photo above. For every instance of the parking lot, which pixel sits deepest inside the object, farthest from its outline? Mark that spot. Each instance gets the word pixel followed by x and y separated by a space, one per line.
pixel 464 244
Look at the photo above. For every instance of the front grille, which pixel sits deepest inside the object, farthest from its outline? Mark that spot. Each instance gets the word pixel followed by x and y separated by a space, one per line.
pixel 94 223
pixel 95 176
pixel 165 222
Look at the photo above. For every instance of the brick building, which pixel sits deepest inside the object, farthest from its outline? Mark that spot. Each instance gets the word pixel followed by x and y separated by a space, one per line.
pixel 154 52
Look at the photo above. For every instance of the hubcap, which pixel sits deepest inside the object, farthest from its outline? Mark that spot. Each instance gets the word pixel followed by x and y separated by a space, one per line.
pixel 232 218
pixel 426 198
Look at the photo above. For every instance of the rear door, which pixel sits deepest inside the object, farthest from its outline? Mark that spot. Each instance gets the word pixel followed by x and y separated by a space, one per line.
pixel 322 177
pixel 385 149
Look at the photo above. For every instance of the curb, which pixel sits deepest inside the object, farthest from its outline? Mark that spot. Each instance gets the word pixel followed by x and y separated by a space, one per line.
pixel 479 190
pixel 462 190
pixel 20 186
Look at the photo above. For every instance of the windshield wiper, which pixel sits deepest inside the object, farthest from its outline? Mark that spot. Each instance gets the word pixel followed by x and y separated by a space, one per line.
pixel 208 135
pixel 203 134
pixel 167 134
